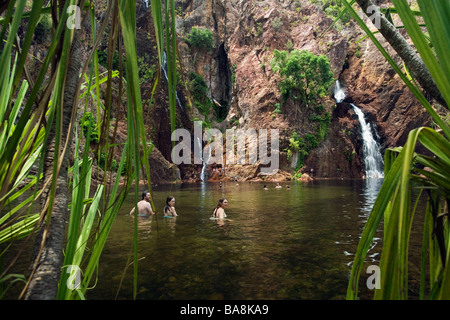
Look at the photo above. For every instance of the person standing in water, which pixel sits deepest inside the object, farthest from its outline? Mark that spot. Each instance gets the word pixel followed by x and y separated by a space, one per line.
pixel 219 211
pixel 169 209
pixel 144 207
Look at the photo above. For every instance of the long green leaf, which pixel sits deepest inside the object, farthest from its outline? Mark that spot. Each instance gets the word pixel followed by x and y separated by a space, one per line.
pixel 382 202
pixel 85 233
pixel 20 229
pixel 106 223
pixel 127 12
pixel 436 15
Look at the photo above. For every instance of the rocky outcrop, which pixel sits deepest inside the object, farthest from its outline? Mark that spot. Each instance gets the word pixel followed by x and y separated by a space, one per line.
pixel 375 87
pixel 339 155
pixel 161 170
pixel 238 75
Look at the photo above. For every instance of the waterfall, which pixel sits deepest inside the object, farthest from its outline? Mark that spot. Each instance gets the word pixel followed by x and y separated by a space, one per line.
pixel 200 147
pixel 164 68
pixel 205 163
pixel 373 159
pixel 339 93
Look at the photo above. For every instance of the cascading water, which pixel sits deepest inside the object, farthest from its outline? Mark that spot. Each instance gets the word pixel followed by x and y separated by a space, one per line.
pixel 339 93
pixel 204 161
pixel 164 68
pixel 373 160
pixel 372 156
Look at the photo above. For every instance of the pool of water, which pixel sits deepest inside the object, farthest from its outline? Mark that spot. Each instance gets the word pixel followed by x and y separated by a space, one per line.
pixel 276 244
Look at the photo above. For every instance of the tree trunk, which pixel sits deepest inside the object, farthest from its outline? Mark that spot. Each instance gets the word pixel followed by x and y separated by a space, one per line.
pixel 412 60
pixel 44 283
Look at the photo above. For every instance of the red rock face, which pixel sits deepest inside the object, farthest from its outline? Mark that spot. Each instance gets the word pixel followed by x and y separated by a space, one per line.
pixel 379 91
pixel 237 72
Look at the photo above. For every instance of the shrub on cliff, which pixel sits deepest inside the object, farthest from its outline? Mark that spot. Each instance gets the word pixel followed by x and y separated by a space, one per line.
pixel 199 91
pixel 200 38
pixel 305 76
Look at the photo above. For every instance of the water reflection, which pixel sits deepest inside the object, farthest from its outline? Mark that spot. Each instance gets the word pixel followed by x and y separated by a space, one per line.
pixel 171 223
pixel 371 188
pixel 144 226
pixel 356 209
pixel 277 244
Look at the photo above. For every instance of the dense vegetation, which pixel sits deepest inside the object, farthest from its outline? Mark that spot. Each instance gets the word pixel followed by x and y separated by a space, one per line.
pixel 39 129
pixel 200 38
pixel 305 76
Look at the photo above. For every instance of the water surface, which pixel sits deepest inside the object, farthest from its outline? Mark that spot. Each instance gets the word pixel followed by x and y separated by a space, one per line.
pixel 277 244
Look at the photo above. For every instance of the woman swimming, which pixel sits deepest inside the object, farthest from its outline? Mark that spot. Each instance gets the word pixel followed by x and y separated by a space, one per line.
pixel 219 211
pixel 169 208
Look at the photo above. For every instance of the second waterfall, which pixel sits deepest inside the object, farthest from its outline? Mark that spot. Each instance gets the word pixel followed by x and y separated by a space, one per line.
pixel 373 160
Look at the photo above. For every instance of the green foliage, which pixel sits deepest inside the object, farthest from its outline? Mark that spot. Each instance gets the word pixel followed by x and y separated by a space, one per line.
pixel 7 281
pixel 259 29
pixel 234 122
pixel 199 91
pixel 305 76
pixel 294 142
pixel 25 128
pixel 200 38
pixel 233 74
pixel 103 60
pixel 277 108
pixel 277 23
pixel 323 123
pixel 113 166
pixel 310 141
pixel 333 9
pixel 21 141
pixel 146 71
pixel 297 144
pixel 198 86
pixel 89 127
pixel 289 46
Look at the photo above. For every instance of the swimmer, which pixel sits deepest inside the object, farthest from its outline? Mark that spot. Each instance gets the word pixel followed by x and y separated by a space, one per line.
pixel 265 188
pixel 278 185
pixel 144 207
pixel 169 209
pixel 219 211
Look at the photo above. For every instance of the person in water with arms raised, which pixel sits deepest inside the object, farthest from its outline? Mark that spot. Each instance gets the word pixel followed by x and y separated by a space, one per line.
pixel 144 207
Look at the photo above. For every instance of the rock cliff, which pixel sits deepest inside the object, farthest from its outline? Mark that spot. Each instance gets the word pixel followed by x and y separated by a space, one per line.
pixel 242 90
pixel 238 73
